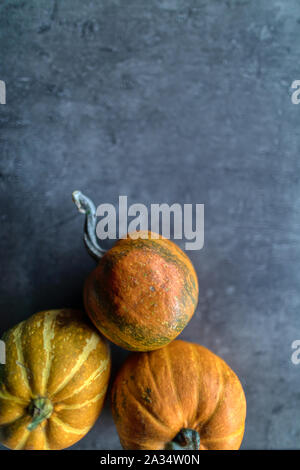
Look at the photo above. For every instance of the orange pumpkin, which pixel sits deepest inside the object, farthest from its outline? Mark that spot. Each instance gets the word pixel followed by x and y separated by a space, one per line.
pixel 53 384
pixel 179 397
pixel 144 290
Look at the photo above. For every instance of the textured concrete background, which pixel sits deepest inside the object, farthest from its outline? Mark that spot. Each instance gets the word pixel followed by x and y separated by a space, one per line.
pixel 164 101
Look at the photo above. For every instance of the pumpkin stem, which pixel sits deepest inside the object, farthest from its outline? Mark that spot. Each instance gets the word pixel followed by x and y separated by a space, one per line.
pixel 87 207
pixel 186 439
pixel 40 409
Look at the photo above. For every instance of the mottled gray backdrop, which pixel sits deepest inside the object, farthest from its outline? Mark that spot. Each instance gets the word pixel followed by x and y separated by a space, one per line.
pixel 163 101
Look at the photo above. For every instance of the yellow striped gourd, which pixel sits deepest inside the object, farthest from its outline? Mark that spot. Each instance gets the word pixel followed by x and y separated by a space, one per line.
pixel 53 384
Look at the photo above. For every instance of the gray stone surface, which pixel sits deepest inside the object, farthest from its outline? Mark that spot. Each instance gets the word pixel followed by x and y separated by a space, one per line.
pixel 162 101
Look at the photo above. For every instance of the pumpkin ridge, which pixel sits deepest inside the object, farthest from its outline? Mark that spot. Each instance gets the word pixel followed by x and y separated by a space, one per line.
pixel 152 375
pixel 91 344
pixel 18 343
pixel 133 444
pixel 153 418
pixel 46 443
pixel 77 406
pixel 220 393
pixel 22 442
pixel 5 395
pixel 195 356
pixel 23 439
pixel 172 381
pixel 9 423
pixel 90 379
pixel 48 335
pixel 67 427
pixel 228 436
pixel 220 388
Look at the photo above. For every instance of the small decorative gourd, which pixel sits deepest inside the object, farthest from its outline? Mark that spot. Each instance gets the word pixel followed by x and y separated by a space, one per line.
pixel 144 290
pixel 54 382
pixel 181 396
